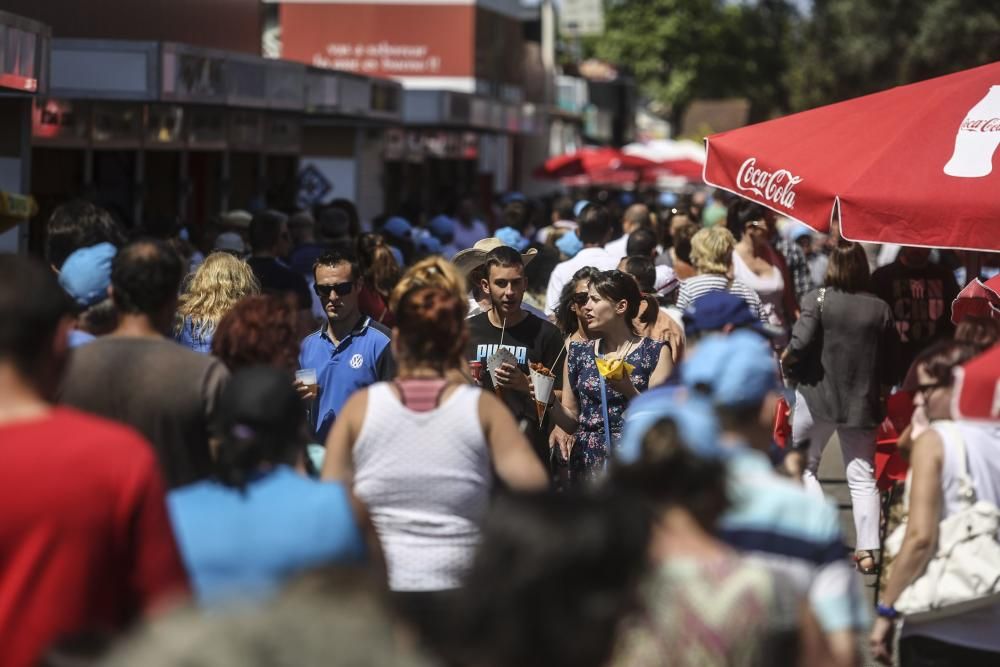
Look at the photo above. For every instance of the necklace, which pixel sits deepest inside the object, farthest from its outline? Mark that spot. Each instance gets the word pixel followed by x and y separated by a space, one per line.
pixel 623 350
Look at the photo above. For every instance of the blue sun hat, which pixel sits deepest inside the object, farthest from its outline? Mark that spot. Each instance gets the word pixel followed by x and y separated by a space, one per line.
pixel 733 370
pixel 693 415
pixel 512 237
pixel 569 244
pixel 580 207
pixel 86 274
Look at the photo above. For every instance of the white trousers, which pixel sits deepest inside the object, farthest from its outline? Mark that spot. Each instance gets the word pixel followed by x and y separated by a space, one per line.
pixel 858 448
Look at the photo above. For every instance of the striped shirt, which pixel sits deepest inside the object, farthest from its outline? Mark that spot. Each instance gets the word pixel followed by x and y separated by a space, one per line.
pixel 700 285
pixel 778 524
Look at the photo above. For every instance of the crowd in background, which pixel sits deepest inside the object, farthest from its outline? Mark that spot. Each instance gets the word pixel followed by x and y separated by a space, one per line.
pixel 546 439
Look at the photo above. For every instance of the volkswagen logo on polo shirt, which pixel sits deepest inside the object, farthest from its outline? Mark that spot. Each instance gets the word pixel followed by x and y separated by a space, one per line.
pixel 356 361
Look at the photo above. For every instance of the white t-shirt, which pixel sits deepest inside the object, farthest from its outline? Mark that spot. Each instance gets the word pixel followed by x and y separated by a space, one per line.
pixel 599 258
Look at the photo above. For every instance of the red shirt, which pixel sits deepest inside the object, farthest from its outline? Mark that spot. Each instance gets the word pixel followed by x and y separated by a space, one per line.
pixel 85 541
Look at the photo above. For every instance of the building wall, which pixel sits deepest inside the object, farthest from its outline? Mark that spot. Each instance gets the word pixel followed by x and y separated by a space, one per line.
pixel 234 25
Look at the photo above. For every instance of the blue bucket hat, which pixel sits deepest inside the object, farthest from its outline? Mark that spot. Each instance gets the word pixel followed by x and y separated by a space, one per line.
pixel 693 415
pixel 735 370
pixel 580 207
pixel 86 274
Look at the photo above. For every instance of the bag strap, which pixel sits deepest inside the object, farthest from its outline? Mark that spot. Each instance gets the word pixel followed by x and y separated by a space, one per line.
pixel 966 488
pixel 604 410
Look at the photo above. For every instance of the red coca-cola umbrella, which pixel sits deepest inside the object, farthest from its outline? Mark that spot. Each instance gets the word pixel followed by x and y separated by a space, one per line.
pixel 910 165
pixel 591 161
pixel 977 387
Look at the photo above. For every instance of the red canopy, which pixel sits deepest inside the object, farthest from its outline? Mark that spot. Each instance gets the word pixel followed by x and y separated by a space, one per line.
pixel 910 165
pixel 977 387
pixel 975 300
pixel 590 161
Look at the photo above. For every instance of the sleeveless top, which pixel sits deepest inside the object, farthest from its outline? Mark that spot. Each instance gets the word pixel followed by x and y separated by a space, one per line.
pixel 978 628
pixel 425 478
pixel 770 289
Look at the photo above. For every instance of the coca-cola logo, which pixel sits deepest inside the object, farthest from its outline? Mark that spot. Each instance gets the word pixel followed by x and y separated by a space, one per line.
pixel 980 125
pixel 773 186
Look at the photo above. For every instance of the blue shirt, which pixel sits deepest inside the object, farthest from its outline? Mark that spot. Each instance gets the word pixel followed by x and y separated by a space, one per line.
pixel 244 545
pixel 361 359
pixel 199 341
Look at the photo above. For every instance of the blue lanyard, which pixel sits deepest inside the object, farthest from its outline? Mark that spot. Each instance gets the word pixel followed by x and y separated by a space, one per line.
pixel 604 411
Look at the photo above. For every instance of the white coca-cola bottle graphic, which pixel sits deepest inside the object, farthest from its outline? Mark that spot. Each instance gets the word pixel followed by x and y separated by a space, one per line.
pixel 977 139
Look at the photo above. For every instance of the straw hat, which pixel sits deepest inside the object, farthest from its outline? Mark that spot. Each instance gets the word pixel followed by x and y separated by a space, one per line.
pixel 469 259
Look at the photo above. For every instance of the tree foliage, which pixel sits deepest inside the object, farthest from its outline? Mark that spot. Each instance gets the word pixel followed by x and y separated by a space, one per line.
pixel 680 50
pixel 849 48
pixel 783 60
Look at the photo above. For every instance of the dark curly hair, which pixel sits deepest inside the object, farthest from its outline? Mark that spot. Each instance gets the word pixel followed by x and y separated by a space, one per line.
pixel 258 331
pixel 145 277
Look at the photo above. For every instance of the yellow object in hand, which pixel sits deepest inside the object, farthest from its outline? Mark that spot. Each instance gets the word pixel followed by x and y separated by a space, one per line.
pixel 614 369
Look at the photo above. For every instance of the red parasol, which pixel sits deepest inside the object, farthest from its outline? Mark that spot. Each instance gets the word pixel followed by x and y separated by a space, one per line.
pixel 977 387
pixel 591 161
pixel 910 165
pixel 975 300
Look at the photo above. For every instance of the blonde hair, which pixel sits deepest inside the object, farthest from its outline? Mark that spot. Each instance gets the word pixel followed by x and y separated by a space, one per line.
pixel 431 272
pixel 712 250
pixel 213 290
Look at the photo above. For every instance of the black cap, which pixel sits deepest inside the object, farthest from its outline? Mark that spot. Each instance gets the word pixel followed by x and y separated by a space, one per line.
pixel 261 402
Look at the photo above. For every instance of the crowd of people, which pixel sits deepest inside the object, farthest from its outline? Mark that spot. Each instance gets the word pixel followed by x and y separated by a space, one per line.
pixel 304 439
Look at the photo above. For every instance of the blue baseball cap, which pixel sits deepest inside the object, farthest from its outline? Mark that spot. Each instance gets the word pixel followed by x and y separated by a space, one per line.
pixel 569 244
pixel 667 199
pixel 715 310
pixel 798 231
pixel 512 237
pixel 735 370
pixel 86 274
pixel 512 197
pixel 580 207
pixel 397 227
pixel 443 228
pixel 427 244
pixel 691 413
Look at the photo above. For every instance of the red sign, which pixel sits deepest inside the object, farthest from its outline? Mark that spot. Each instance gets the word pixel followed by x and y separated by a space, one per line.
pixel 381 40
pixel 18 82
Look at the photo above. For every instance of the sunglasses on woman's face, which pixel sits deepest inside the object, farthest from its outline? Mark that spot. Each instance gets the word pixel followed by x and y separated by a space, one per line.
pixel 342 289
pixel 581 298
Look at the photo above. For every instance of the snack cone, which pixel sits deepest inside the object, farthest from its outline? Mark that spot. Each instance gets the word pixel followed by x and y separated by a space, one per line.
pixel 540 408
pixel 496 360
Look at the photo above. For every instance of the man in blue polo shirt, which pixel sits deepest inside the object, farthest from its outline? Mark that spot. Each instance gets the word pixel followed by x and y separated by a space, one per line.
pixel 350 351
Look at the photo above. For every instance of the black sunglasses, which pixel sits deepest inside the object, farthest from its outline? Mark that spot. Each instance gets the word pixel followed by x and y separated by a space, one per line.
pixel 926 389
pixel 342 289
pixel 581 298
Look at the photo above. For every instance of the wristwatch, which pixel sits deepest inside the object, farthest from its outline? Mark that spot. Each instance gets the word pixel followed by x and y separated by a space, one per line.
pixel 886 611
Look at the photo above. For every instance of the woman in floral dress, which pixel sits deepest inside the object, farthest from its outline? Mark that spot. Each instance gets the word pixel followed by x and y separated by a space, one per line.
pixel 613 303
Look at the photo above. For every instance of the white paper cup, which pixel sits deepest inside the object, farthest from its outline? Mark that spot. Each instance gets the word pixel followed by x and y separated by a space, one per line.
pixel 306 376
pixel 543 385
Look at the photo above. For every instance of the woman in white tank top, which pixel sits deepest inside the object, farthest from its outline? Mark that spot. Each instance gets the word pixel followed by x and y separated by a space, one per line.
pixel 969 639
pixel 422 451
